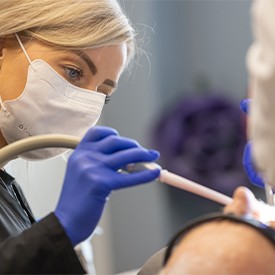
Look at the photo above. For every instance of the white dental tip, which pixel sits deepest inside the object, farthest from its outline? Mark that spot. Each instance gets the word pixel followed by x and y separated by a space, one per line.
pixel 180 182
pixel 140 166
pixel 193 187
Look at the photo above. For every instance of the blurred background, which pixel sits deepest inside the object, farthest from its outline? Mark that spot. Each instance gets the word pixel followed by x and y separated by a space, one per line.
pixel 180 96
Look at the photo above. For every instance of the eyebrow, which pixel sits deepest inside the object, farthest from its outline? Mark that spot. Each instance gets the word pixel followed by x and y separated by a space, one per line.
pixel 88 61
pixel 93 68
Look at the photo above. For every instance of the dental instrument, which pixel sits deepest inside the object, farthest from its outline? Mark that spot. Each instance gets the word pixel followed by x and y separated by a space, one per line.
pixel 17 148
pixel 13 150
pixel 182 183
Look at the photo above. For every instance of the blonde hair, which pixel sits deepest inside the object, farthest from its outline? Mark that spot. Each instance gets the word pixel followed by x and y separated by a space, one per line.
pixel 73 24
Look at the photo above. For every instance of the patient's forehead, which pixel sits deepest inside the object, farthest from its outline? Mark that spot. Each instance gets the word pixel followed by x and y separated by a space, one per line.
pixel 223 245
pixel 220 230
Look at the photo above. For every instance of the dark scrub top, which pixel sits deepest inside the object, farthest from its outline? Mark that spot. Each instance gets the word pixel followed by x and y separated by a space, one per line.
pixel 27 246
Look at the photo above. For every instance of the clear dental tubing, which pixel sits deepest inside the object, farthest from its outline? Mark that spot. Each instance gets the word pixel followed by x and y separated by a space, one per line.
pixel 17 148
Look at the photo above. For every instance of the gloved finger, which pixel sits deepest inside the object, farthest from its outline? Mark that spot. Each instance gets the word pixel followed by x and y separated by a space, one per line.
pixel 114 144
pixel 127 180
pixel 248 165
pixel 97 133
pixel 132 155
pixel 245 104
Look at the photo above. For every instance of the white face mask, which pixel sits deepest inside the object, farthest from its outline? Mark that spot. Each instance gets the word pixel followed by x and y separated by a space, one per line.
pixel 48 105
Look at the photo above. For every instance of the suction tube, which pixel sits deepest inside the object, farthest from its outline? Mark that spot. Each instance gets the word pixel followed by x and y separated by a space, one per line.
pixel 13 150
pixel 17 148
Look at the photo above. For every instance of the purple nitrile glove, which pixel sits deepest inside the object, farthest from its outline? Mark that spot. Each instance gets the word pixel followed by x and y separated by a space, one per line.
pixel 249 168
pixel 92 174
pixel 245 104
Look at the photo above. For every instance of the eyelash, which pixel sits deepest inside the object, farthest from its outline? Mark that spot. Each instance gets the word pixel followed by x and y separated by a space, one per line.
pixel 107 99
pixel 80 74
pixel 72 69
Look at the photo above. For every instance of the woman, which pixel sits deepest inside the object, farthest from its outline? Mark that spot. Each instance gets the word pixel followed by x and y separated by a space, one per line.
pixel 60 61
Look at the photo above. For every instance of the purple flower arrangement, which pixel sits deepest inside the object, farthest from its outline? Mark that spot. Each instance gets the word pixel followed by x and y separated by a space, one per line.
pixel 202 138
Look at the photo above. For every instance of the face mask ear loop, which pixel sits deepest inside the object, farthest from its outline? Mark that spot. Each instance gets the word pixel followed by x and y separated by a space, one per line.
pixel 24 50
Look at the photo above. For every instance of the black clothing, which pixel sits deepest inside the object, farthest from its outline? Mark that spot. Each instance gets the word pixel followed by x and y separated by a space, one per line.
pixel 15 213
pixel 27 246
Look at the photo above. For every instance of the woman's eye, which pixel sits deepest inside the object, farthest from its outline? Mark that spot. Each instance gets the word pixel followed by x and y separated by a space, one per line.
pixel 73 73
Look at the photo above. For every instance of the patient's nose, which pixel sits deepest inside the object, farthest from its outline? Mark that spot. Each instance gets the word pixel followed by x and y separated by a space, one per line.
pixel 243 202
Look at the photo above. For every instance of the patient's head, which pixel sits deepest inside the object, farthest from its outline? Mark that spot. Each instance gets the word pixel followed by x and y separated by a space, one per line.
pixel 226 245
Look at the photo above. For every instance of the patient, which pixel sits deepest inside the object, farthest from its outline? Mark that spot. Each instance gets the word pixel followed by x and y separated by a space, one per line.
pixel 241 240
pixel 225 245
pixel 232 245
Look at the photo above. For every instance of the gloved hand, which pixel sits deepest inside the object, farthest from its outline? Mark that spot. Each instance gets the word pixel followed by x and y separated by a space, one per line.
pixel 248 165
pixel 92 173
pixel 244 104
